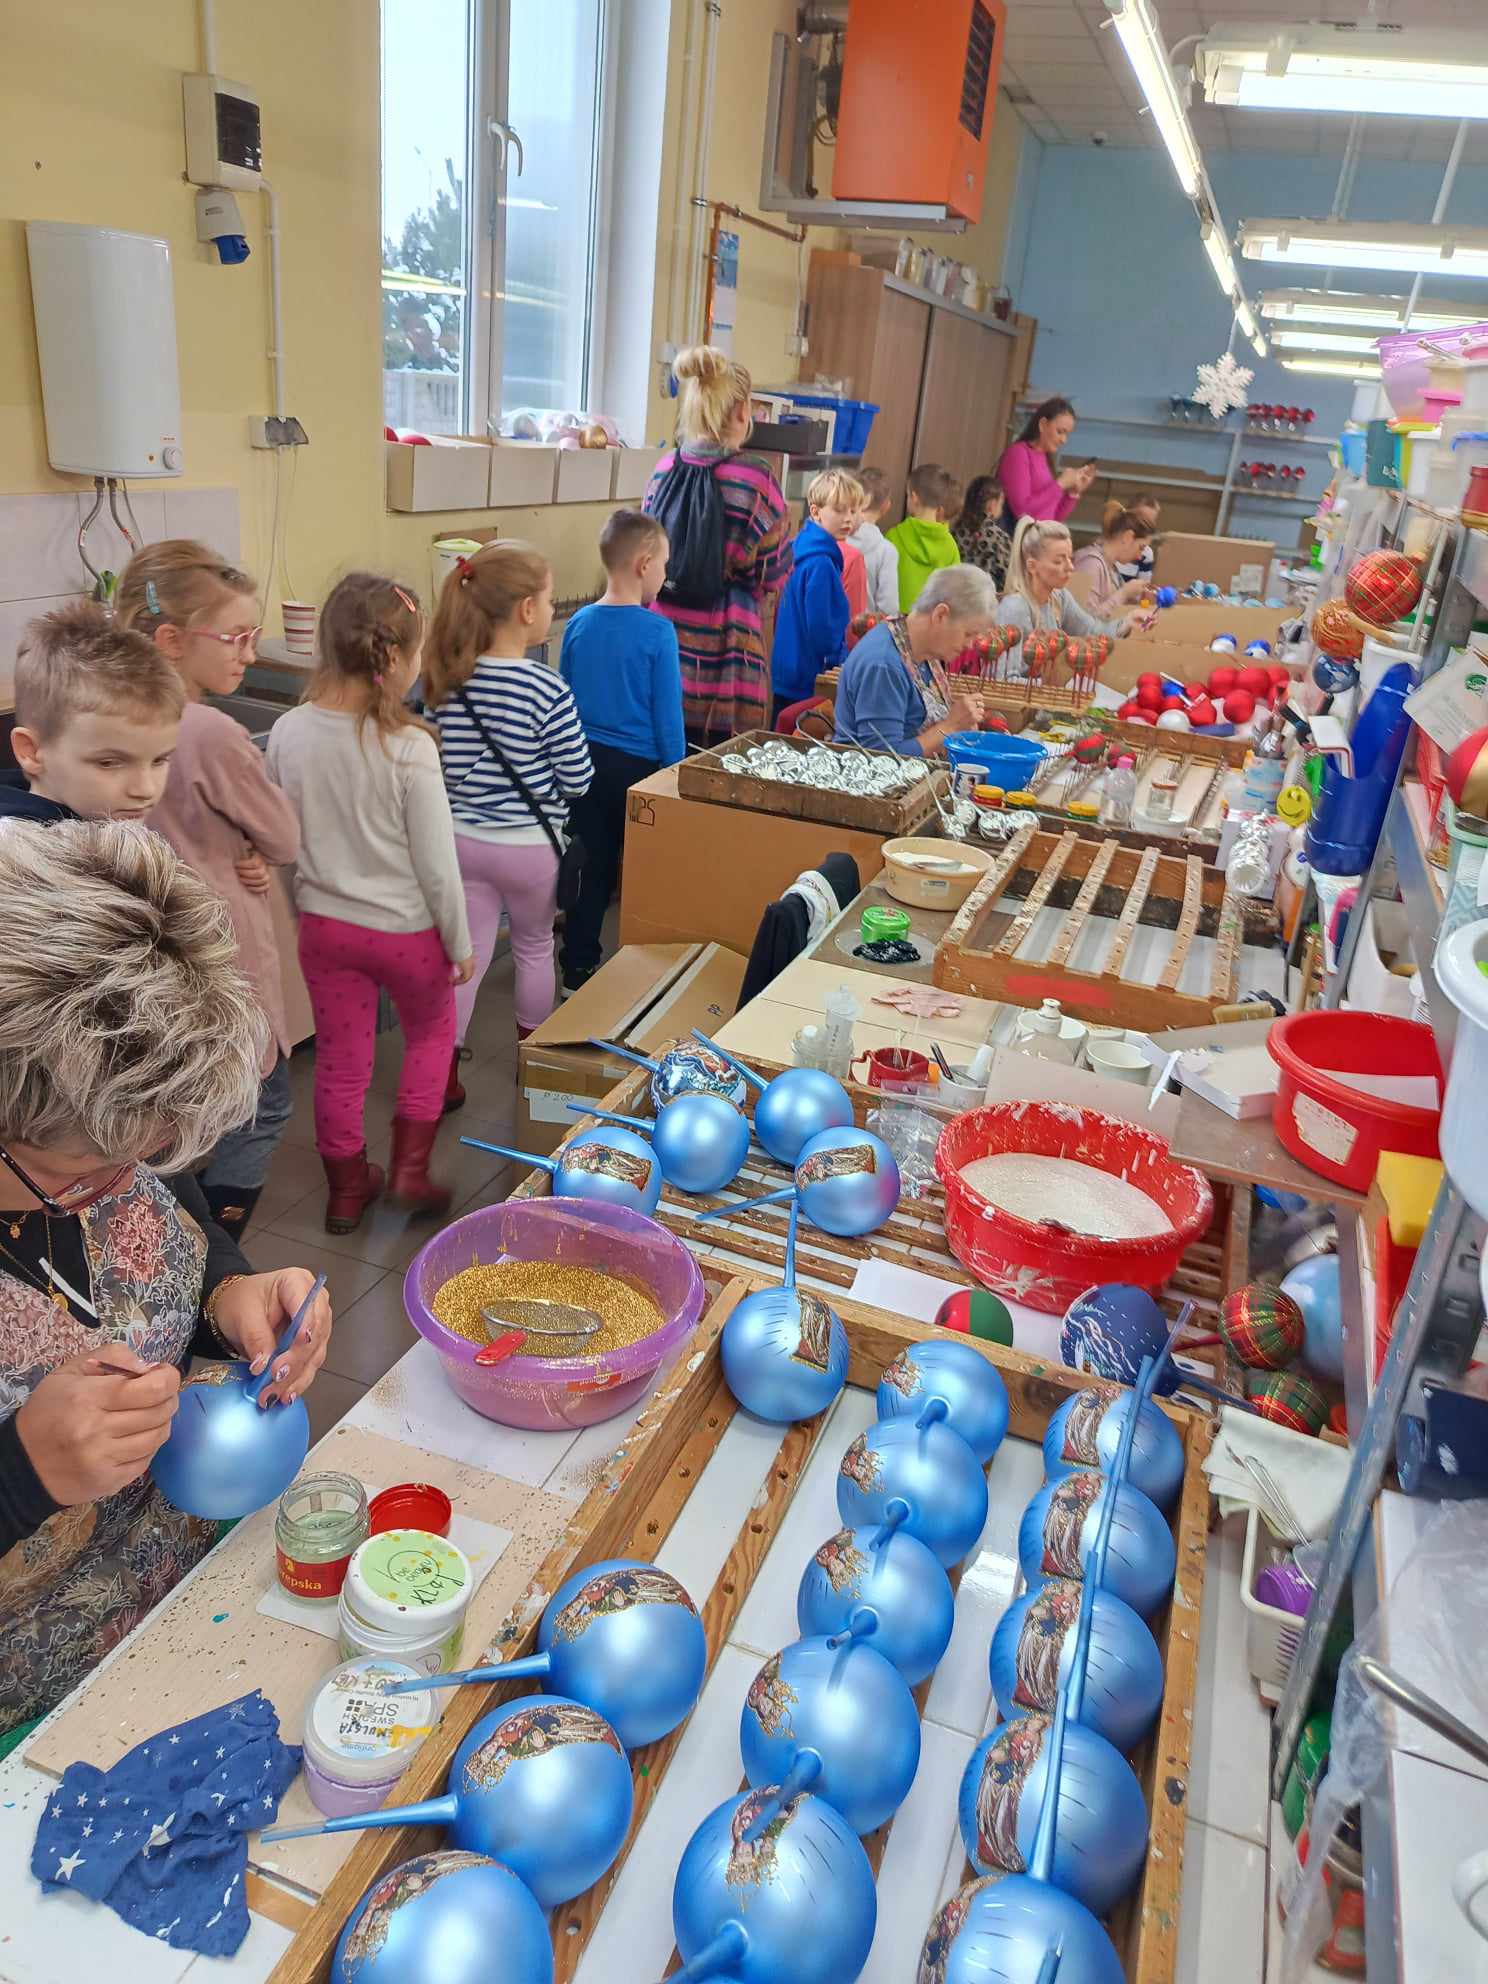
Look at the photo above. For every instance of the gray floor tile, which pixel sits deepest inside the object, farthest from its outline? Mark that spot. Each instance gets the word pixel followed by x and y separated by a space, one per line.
pixel 347 1279
pixel 372 1334
pixel 328 1401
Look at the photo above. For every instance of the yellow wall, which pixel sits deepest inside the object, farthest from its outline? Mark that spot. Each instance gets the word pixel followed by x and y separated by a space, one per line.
pixel 90 130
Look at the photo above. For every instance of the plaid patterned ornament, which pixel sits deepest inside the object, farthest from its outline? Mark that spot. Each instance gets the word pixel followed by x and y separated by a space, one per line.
pixel 1289 1399
pixel 1262 1327
pixel 1383 586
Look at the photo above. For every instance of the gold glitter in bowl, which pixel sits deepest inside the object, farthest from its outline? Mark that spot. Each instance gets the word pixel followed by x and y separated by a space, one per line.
pixel 627 1314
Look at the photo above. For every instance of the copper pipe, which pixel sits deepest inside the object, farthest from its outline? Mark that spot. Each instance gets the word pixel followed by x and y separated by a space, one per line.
pixel 721 207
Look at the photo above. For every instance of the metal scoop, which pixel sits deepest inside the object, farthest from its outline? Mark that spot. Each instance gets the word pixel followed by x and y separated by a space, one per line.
pixel 534 1316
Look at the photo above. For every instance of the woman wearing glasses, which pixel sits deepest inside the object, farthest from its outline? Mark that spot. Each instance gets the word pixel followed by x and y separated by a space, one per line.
pixel 222 815
pixel 129 1043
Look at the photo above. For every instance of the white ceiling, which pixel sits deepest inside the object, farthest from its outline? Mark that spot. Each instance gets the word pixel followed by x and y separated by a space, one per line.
pixel 1076 79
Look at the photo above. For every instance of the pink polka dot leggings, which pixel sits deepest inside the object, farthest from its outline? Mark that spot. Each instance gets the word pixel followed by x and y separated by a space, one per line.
pixel 346 967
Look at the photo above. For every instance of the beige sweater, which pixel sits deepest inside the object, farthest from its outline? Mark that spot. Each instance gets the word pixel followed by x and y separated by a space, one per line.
pixel 378 847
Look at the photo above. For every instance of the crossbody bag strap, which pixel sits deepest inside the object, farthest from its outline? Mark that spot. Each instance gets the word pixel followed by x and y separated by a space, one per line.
pixel 512 773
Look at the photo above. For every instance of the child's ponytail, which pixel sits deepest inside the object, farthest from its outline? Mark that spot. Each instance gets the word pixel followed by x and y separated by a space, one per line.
pixel 481 594
pixel 366 626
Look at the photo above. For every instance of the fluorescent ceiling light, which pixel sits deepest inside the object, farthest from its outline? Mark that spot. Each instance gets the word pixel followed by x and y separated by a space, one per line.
pixel 1245 316
pixel 1137 27
pixel 1302 339
pixel 1262 349
pixel 1331 306
pixel 1414 249
pixel 1349 68
pixel 1333 368
pixel 1217 248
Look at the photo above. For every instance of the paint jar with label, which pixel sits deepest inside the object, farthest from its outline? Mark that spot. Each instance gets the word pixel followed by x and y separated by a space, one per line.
pixel 405 1597
pixel 322 1519
pixel 358 1738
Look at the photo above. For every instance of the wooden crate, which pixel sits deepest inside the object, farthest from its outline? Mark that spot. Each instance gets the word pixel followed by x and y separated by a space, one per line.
pixel 1086 875
pixel 631 1513
pixel 1230 751
pixel 702 776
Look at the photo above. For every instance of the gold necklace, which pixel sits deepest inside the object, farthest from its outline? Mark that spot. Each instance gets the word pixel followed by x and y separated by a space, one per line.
pixel 38 1282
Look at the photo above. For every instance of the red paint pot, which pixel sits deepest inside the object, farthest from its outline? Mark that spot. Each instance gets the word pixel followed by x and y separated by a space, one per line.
pixel 411 1505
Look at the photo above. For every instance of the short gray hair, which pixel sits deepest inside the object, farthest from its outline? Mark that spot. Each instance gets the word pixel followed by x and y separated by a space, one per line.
pixel 124 1020
pixel 965 590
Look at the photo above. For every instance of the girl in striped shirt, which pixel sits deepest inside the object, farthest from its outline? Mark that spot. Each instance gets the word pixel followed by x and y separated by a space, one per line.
pixel 483 692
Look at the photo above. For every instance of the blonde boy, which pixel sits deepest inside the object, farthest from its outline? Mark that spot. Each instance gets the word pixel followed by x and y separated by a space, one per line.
pixel 811 623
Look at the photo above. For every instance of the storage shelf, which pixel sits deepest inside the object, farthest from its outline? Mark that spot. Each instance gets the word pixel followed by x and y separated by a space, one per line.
pixel 1244 495
pixel 920 294
pixel 1027 404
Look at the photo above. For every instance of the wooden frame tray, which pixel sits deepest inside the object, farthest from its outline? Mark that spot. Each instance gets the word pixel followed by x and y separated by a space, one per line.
pixel 632 1511
pixel 702 776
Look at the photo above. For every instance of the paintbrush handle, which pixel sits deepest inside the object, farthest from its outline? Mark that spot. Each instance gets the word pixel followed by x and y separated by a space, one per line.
pixel 255 1389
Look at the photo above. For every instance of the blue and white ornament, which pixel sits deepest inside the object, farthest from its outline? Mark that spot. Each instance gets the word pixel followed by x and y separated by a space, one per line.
pixel 611 1164
pixel 898 1576
pixel 923 1463
pixel 1058 1532
pixel 971 1385
pixel 700 1140
pixel 437 1918
pixel 692 1067
pixel 1033 1650
pixel 784 1351
pixel 1086 1430
pixel 847 1183
pixel 793 1108
pixel 1017 1930
pixel 1109 1330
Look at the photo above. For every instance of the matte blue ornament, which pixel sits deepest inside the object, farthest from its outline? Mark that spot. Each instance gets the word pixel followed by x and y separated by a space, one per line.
pixel 1109 1330
pixel 700 1140
pixel 796 1106
pixel 1033 1650
pixel 614 1165
pixel 898 1576
pixel 437 1919
pixel 689 1068
pixel 541 1784
pixel 847 1183
pixel 1086 1431
pixel 784 1351
pixel 924 1463
pixel 226 1455
pixel 970 1384
pixel 1313 1286
pixel 1058 1530
pixel 622 1636
pixel 1100 1838
pixel 832 1717
pixel 795 1904
pixel 1167 595
pixel 1016 1930
pixel 1333 675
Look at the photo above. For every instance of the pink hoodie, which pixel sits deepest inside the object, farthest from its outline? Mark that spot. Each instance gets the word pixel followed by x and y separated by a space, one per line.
pixel 1031 486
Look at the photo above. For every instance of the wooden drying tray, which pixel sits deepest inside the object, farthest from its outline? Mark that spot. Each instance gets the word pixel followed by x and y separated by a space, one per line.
pixel 703 776
pixel 1088 876
pixel 1229 751
pixel 1060 782
pixel 656 1470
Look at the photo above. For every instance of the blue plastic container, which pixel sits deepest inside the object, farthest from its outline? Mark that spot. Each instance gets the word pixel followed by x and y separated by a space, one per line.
pixel 854 420
pixel 1351 446
pixel 1351 811
pixel 1009 760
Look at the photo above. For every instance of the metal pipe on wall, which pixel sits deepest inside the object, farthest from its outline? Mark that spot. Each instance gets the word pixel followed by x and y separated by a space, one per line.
pixel 694 330
pixel 1439 211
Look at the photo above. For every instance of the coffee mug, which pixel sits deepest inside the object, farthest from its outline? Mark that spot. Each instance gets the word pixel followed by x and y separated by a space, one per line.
pixel 1469 1879
pixel 1119 1061
pixel 299 626
pixel 891 1066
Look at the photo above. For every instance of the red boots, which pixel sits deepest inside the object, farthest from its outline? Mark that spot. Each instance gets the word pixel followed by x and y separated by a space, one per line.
pixel 354 1184
pixel 454 1088
pixel 409 1185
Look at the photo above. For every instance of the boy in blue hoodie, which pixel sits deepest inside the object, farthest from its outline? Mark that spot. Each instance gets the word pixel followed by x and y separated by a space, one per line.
pixel 811 623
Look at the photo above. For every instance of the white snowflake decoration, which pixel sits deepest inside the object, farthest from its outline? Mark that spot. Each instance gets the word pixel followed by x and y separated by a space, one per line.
pixel 1222 385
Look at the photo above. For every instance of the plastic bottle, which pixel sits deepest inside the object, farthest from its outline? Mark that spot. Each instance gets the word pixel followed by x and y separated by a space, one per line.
pixel 1265 768
pixel 837 1035
pixel 1118 793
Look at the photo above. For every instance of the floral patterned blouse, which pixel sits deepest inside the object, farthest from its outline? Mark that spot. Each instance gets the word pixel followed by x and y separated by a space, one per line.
pixel 988 545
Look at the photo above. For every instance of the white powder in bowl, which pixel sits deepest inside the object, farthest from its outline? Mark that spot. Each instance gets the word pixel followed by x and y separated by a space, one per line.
pixel 1059 1188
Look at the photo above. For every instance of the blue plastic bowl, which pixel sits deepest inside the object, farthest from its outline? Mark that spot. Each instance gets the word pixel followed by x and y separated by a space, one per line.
pixel 1009 760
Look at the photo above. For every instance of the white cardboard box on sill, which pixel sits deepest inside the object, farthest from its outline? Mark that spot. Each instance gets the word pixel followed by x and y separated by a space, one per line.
pixel 633 471
pixel 585 475
pixel 523 473
pixel 449 472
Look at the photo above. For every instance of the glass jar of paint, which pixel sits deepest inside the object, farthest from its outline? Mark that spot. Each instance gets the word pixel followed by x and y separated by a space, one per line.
pixel 405 1598
pixel 358 1738
pixel 322 1519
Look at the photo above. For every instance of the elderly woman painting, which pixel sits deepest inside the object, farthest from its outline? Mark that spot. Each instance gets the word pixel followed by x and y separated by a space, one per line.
pixel 894 693
pixel 129 1044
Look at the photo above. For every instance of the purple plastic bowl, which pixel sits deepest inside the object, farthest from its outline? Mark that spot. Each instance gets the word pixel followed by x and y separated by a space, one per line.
pixel 541 1393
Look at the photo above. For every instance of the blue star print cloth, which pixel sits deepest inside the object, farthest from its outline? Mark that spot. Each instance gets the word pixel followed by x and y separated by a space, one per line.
pixel 162 1838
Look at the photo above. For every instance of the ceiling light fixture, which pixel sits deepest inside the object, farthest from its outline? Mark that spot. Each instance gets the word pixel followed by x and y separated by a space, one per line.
pixel 1386 313
pixel 1136 24
pixel 1408 249
pixel 1262 349
pixel 1300 338
pixel 1332 368
pixel 1217 248
pixel 1345 67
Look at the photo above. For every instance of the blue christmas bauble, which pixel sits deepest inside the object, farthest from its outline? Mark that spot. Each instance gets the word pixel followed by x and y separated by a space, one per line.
pixel 998 1930
pixel 932 1469
pixel 544 1787
pixel 797 1106
pixel 848 1706
pixel 1333 675
pixel 970 1384
pixel 895 1574
pixel 847 1179
pixel 1033 1652
pixel 691 1068
pixel 796 1905
pixel 1086 1431
pixel 610 1164
pixel 624 1637
pixel 700 1140
pixel 784 1354
pixel 437 1919
pixel 1101 1837
pixel 226 1455
pixel 1313 1286
pixel 1109 1330
pixel 1058 1532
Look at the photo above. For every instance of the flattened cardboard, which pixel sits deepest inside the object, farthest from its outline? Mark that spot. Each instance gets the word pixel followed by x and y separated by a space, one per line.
pixel 1183 556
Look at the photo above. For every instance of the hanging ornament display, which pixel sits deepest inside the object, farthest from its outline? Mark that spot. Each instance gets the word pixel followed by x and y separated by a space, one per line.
pixel 902 1580
pixel 1086 1431
pixel 784 1351
pixel 970 1384
pixel 1383 586
pixel 437 1918
pixel 1223 385
pixel 1336 631
pixel 921 1462
pixel 1058 1531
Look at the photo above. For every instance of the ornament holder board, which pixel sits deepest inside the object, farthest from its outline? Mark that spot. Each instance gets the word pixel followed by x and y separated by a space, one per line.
pixel 632 1512
pixel 1061 782
pixel 702 775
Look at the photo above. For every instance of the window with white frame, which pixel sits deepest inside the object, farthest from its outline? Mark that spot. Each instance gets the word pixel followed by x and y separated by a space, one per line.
pixel 492 140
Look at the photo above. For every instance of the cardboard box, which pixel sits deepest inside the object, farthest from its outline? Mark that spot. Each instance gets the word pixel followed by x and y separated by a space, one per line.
pixel 1186 661
pixel 1195 624
pixel 642 997
pixel 633 471
pixel 453 472
pixel 585 475
pixel 1183 556
pixel 522 473
pixel 697 872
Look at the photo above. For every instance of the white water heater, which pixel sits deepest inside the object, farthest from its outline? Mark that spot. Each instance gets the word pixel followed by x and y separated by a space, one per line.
pixel 106 333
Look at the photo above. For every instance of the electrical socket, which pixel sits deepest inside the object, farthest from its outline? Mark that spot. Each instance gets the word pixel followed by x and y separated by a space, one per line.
pixel 797 346
pixel 267 431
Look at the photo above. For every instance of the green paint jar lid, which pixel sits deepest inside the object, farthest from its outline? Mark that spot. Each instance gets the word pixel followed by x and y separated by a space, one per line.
pixel 407 1578
pixel 880 923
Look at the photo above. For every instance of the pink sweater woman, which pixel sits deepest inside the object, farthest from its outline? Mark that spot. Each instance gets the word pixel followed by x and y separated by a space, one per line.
pixel 1032 481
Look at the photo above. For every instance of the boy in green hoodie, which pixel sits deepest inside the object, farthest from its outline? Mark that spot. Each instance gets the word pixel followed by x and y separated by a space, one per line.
pixel 924 541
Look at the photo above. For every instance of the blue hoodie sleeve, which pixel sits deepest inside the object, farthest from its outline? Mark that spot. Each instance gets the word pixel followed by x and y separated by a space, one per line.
pixel 825 611
pixel 666 697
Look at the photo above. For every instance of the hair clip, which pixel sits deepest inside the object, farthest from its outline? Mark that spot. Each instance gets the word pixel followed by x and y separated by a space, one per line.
pixel 465 569
pixel 152 599
pixel 377 677
pixel 407 599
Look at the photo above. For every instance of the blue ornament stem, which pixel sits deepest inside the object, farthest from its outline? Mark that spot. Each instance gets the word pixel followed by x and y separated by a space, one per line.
pixel 896 1514
pixel 255 1387
pixel 935 1410
pixel 645 1123
pixel 432 1812
pixel 1041 1861
pixel 806 1768
pixel 537 1666
pixel 864 1621
pixel 734 1062
pixel 1096 1566
pixel 739 1205
pixel 625 1054
pixel 789 1283
pixel 1143 1394
pixel 1049 1968
pixel 727 1950
pixel 548 1164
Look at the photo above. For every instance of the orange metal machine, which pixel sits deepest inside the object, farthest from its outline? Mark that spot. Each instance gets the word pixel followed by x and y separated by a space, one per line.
pixel 919 92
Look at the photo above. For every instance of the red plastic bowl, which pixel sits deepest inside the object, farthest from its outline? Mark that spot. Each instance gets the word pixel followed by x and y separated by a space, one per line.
pixel 1035 1263
pixel 1339 1131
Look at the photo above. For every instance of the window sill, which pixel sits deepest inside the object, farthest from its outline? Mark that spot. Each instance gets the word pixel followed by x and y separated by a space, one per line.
pixel 464 475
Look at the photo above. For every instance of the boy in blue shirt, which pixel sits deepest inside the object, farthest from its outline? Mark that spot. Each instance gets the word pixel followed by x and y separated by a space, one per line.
pixel 620 661
pixel 811 623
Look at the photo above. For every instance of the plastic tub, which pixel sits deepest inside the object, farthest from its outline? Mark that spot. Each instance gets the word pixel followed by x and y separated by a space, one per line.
pixel 1337 1130
pixel 928 888
pixel 1039 1265
pixel 549 1394
pixel 852 420
pixel 1008 760
pixel 1462 971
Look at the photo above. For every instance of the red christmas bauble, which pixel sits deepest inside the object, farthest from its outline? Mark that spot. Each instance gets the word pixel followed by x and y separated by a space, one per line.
pixel 1383 586
pixel 1150 695
pixel 1337 632
pixel 1149 681
pixel 1281 678
pixel 1255 680
pixel 1467 774
pixel 1221 681
pixel 1239 706
pixel 1193 690
pixel 1128 710
pixel 1174 703
pixel 1201 713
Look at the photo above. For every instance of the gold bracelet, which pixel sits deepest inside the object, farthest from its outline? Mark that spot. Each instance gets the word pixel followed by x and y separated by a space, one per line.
pixel 209 1310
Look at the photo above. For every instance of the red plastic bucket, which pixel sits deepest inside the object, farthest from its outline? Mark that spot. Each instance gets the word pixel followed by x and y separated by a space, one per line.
pixel 1040 1265
pixel 1334 1129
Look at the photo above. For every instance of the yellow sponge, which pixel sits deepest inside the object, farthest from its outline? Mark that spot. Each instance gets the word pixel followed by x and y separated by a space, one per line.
pixel 1408 1186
